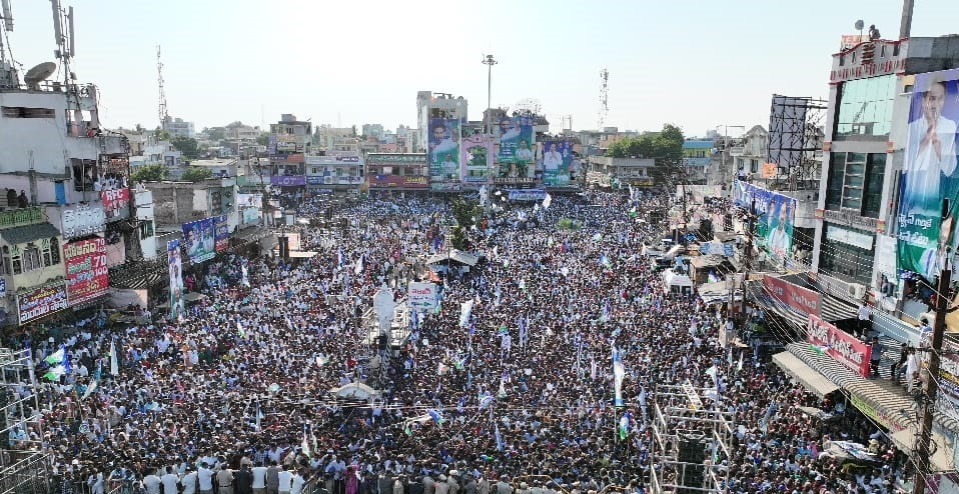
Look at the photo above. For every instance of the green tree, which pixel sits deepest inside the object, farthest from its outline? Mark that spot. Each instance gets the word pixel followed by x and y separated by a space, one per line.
pixel 196 175
pixel 186 145
pixel 162 135
pixel 668 151
pixel 466 214
pixel 150 173
pixel 215 134
pixel 263 139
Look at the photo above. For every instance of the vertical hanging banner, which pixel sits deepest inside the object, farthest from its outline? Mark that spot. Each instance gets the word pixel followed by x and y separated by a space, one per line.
pixel 199 240
pixel 221 233
pixel 444 147
pixel 557 156
pixel 477 160
pixel 516 145
pixel 86 266
pixel 929 175
pixel 175 266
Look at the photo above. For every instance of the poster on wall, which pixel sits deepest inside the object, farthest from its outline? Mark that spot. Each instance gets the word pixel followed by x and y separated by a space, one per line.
pixel 38 302
pixel 86 266
pixel 477 159
pixel 557 156
pixel 175 266
pixel 516 156
pixel 221 233
pixel 444 146
pixel 199 240
pixel 776 215
pixel 929 176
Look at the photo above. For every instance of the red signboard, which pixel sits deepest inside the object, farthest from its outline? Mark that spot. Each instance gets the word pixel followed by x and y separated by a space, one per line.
pixel 842 347
pixel 799 299
pixel 116 203
pixel 86 264
pixel 396 181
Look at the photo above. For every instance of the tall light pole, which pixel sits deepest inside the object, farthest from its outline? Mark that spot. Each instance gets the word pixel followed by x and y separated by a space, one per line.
pixel 489 62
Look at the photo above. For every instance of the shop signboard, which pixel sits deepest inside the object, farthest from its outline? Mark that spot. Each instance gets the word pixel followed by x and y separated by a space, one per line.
pixel 526 195
pixel 35 303
pixel 800 300
pixel 199 239
pixel 288 180
pixel 116 203
pixel 396 159
pixel 87 270
pixel 396 181
pixel 840 346
pixel 82 220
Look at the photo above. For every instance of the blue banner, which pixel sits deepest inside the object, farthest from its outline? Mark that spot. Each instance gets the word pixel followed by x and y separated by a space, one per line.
pixel 199 238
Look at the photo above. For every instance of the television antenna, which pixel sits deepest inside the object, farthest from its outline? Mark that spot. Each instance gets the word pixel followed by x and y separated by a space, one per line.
pixel 859 25
pixel 66 49
pixel 603 98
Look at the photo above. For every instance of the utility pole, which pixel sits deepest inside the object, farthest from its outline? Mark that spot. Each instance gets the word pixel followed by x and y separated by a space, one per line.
pixel 923 463
pixel 749 250
pixel 489 62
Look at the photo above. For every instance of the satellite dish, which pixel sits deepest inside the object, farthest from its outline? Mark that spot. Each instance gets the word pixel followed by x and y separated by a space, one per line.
pixel 860 24
pixel 39 73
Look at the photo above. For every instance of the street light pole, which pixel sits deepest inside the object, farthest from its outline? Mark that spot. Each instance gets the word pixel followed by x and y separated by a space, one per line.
pixel 489 62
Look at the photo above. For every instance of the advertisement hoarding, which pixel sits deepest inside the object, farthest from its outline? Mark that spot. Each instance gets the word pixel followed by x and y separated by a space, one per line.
pixel 516 148
pixel 199 240
pixel 396 181
pixel 776 216
pixel 444 146
pixel 800 300
pixel 929 175
pixel 82 219
pixel 116 203
pixel 557 156
pixel 221 233
pixel 842 347
pixel 423 296
pixel 477 159
pixel 86 267
pixel 175 267
pixel 37 302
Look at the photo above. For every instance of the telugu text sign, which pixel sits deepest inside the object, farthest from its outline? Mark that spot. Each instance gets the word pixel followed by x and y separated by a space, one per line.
pixel 87 270
pixel 842 347
pixel 801 300
pixel 38 302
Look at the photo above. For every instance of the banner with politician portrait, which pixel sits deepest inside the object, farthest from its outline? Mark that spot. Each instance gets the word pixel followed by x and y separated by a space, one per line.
pixel 557 156
pixel 516 156
pixel 775 217
pixel 477 159
pixel 175 266
pixel 929 176
pixel 199 239
pixel 444 150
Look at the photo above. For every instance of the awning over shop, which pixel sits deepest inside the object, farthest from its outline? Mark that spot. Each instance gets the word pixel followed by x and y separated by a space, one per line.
pixel 809 377
pixel 28 233
pixel 832 309
pixel 941 459
pixel 140 275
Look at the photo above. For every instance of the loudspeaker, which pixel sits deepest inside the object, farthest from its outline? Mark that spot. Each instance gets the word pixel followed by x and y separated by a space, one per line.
pixel 692 449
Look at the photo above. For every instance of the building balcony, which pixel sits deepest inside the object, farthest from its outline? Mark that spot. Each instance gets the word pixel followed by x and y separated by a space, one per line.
pixel 21 217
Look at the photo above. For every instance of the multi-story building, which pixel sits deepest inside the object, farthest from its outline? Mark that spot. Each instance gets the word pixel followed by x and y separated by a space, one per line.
pixel 697 156
pixel 430 105
pixel 290 142
pixel 336 172
pixel 373 131
pixel 397 172
pixel 177 127
pixel 605 171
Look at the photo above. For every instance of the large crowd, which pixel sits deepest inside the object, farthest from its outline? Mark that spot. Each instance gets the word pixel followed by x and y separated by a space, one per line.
pixel 518 394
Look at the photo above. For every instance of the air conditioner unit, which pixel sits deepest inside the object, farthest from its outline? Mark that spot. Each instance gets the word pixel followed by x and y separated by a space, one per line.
pixel 856 290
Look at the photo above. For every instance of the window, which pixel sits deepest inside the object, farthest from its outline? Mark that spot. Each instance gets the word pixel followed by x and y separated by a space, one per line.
pixel 5 261
pixel 753 166
pixel 146 229
pixel 852 263
pixel 855 182
pixel 872 193
pixel 865 108
pixel 23 112
pixel 31 258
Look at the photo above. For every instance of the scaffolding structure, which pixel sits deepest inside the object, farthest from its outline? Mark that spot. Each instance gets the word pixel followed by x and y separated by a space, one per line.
pixel 795 141
pixel 24 467
pixel 681 419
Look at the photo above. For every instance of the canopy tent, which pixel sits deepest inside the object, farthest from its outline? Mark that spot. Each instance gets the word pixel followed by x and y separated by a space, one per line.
pixel 453 255
pixel 812 380
pixel 354 391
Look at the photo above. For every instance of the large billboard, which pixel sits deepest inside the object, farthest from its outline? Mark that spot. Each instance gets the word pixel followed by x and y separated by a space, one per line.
pixel 557 156
pixel 444 146
pixel 199 238
pixel 86 266
pixel 929 175
pixel 35 303
pixel 516 156
pixel 477 159
pixel 776 215
pixel 175 266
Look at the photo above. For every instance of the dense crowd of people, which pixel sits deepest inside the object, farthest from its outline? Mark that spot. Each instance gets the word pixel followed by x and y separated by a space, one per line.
pixel 514 393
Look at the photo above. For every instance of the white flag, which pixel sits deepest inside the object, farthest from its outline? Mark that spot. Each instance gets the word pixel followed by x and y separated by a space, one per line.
pixel 114 365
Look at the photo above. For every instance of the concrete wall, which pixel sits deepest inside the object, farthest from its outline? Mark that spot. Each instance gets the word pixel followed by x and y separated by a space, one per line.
pixel 40 142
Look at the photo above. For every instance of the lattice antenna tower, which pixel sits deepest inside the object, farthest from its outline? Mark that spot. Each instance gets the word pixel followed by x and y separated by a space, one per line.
pixel 162 108
pixel 603 97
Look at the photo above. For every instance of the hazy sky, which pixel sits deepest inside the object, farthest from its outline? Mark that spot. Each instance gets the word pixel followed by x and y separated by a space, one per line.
pixel 694 63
